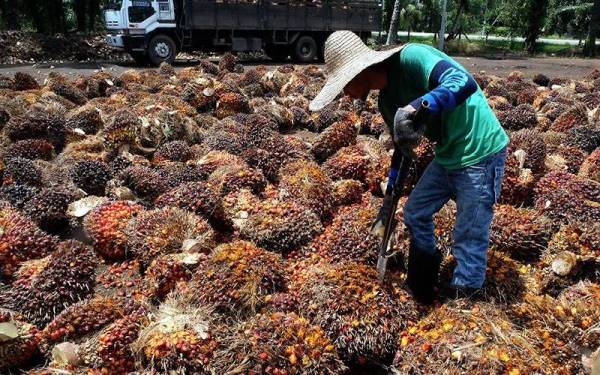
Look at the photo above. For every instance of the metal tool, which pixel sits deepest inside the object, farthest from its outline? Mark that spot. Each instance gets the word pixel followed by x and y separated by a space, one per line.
pixel 406 159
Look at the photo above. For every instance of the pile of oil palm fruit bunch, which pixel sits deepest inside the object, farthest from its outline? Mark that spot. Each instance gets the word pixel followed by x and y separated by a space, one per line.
pixel 203 221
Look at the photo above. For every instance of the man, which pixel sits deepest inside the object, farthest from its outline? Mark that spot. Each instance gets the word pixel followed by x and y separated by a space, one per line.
pixel 470 149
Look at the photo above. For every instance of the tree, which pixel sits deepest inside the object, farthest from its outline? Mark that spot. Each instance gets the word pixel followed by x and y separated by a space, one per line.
pixel 590 43
pixel 410 16
pixel 525 18
pixel 393 30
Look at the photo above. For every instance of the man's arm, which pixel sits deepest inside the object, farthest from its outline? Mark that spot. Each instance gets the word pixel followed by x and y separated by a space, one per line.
pixel 450 87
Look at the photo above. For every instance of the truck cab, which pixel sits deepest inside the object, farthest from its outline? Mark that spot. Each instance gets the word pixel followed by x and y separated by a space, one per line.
pixel 145 29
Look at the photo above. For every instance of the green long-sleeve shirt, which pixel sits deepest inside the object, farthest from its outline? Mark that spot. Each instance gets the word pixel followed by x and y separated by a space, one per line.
pixel 465 134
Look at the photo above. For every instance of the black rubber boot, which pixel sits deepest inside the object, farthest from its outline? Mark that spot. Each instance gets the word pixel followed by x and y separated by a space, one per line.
pixel 422 274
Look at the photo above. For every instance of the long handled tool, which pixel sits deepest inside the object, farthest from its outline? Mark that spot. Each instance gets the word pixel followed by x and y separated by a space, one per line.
pixel 406 159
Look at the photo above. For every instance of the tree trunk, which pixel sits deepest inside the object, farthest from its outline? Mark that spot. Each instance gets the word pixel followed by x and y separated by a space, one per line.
pixel 590 43
pixel 408 38
pixel 10 14
pixel 537 15
pixel 393 31
pixel 93 11
pixel 442 35
pixel 80 14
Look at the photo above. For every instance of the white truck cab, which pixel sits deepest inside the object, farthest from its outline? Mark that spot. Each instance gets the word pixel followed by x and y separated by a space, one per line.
pixel 134 25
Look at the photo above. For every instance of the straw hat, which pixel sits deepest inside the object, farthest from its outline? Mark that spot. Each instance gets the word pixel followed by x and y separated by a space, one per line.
pixel 345 57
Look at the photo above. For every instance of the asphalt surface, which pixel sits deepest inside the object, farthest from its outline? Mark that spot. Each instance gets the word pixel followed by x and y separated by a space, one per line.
pixel 553 67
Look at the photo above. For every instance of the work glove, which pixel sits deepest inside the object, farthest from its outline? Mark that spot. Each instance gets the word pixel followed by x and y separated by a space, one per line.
pixel 407 132
pixel 378 227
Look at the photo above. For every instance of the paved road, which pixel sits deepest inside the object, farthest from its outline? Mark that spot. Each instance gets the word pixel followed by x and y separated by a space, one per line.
pixel 553 67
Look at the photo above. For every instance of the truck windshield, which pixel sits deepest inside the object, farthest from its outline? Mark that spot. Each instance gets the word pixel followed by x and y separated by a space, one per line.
pixel 140 10
pixel 113 4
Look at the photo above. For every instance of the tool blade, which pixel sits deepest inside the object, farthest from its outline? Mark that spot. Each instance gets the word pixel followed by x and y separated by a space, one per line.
pixel 381 267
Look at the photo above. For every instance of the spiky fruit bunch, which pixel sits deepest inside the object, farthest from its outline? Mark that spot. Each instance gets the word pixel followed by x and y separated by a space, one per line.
pixel 48 208
pixel 541 79
pixel 17 195
pixel 565 158
pixel 119 279
pixel 506 280
pixel 86 118
pixel 38 123
pixel 281 225
pixel 66 278
pixel 227 62
pixel 340 134
pixel 173 151
pixel 22 171
pixel 532 144
pixel 279 343
pixel 196 197
pixel 518 183
pixel 165 272
pixel 20 340
pixel 563 196
pixel 237 207
pixel 231 103
pixel 180 338
pixel 145 182
pixel 166 231
pixel 24 81
pixel 20 240
pixel 361 316
pixel 591 166
pixel 237 277
pixel 521 232
pixel 520 117
pixel 120 130
pixel 60 86
pixel 79 320
pixel 348 162
pixel 307 183
pixel 30 149
pixel 587 138
pixel 111 351
pixel 348 238
pixel 106 224
pixel 347 192
pixel 499 104
pixel 573 117
pixel 326 117
pixel 498 87
pixel 462 340
pixel 235 177
pixel 562 326
pixel 572 254
pixel 175 173
pixel 91 176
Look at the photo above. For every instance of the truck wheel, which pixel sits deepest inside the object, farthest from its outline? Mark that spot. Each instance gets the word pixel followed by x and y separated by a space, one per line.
pixel 161 49
pixel 305 49
pixel 277 53
pixel 140 58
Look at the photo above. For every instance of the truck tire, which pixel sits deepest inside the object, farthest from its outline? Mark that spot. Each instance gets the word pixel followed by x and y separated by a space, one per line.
pixel 305 49
pixel 162 48
pixel 277 53
pixel 139 57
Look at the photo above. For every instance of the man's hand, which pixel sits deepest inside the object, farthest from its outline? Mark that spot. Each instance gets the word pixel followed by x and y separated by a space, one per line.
pixel 407 133
pixel 378 227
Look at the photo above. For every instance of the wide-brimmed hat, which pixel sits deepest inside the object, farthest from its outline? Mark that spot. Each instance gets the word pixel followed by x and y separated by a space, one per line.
pixel 345 57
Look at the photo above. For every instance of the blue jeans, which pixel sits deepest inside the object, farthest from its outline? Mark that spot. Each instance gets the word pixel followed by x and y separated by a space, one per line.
pixel 475 189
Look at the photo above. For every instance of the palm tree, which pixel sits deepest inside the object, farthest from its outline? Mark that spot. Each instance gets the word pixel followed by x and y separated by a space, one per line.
pixel 410 16
pixel 393 31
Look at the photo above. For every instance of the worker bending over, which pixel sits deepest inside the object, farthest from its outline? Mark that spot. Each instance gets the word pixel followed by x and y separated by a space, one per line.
pixel 470 149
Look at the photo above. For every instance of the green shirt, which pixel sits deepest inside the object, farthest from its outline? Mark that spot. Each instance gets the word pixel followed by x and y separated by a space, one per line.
pixel 464 135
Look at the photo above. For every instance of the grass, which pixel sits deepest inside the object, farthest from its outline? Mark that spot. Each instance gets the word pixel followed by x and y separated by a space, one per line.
pixel 496 47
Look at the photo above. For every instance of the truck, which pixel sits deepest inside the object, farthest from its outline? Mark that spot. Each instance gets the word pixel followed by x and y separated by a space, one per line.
pixel 155 31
